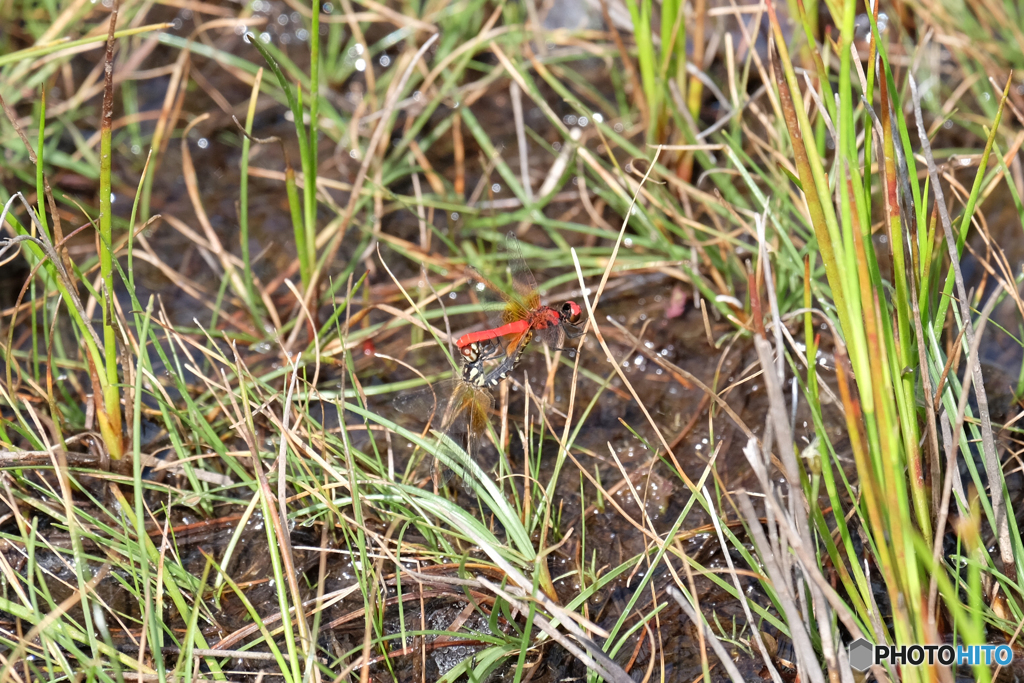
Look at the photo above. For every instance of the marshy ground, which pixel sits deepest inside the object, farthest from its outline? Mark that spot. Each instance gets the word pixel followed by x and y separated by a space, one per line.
pixel 792 419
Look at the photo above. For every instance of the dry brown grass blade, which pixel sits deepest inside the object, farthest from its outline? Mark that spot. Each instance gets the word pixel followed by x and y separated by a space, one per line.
pixel 371 77
pixel 287 552
pixel 192 185
pixel 716 644
pixel 398 18
pixel 460 156
pixel 68 15
pixel 796 524
pixel 516 94
pixel 780 580
pixel 168 111
pixel 744 602
pixel 436 184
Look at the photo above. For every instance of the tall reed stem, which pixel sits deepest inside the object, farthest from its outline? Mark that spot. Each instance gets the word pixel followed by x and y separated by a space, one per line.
pixel 111 395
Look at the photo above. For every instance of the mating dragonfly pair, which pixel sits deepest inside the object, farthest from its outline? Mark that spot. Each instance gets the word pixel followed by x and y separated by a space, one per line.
pixel 489 356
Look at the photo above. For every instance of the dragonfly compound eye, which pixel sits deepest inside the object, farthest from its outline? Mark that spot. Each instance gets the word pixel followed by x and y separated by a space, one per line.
pixel 571 312
pixel 471 352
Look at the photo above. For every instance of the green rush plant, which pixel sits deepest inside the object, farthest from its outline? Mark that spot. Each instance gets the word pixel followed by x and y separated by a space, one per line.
pixel 111 392
pixel 890 324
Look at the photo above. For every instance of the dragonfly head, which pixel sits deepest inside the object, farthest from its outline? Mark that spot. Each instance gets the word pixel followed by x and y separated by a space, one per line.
pixel 570 312
pixel 471 352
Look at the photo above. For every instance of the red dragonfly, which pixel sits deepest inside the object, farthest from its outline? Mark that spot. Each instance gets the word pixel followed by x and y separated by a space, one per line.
pixel 521 318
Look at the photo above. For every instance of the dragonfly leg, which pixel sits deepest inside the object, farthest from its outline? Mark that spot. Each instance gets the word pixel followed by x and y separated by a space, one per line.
pixel 572 331
pixel 493 351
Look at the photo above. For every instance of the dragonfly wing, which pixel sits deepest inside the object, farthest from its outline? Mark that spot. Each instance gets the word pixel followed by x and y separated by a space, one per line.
pixel 552 336
pixel 493 301
pixel 466 418
pixel 478 419
pixel 522 278
pixel 430 405
pixel 425 402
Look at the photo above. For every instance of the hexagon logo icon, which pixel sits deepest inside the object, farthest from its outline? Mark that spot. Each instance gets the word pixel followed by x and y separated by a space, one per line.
pixel 861 654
